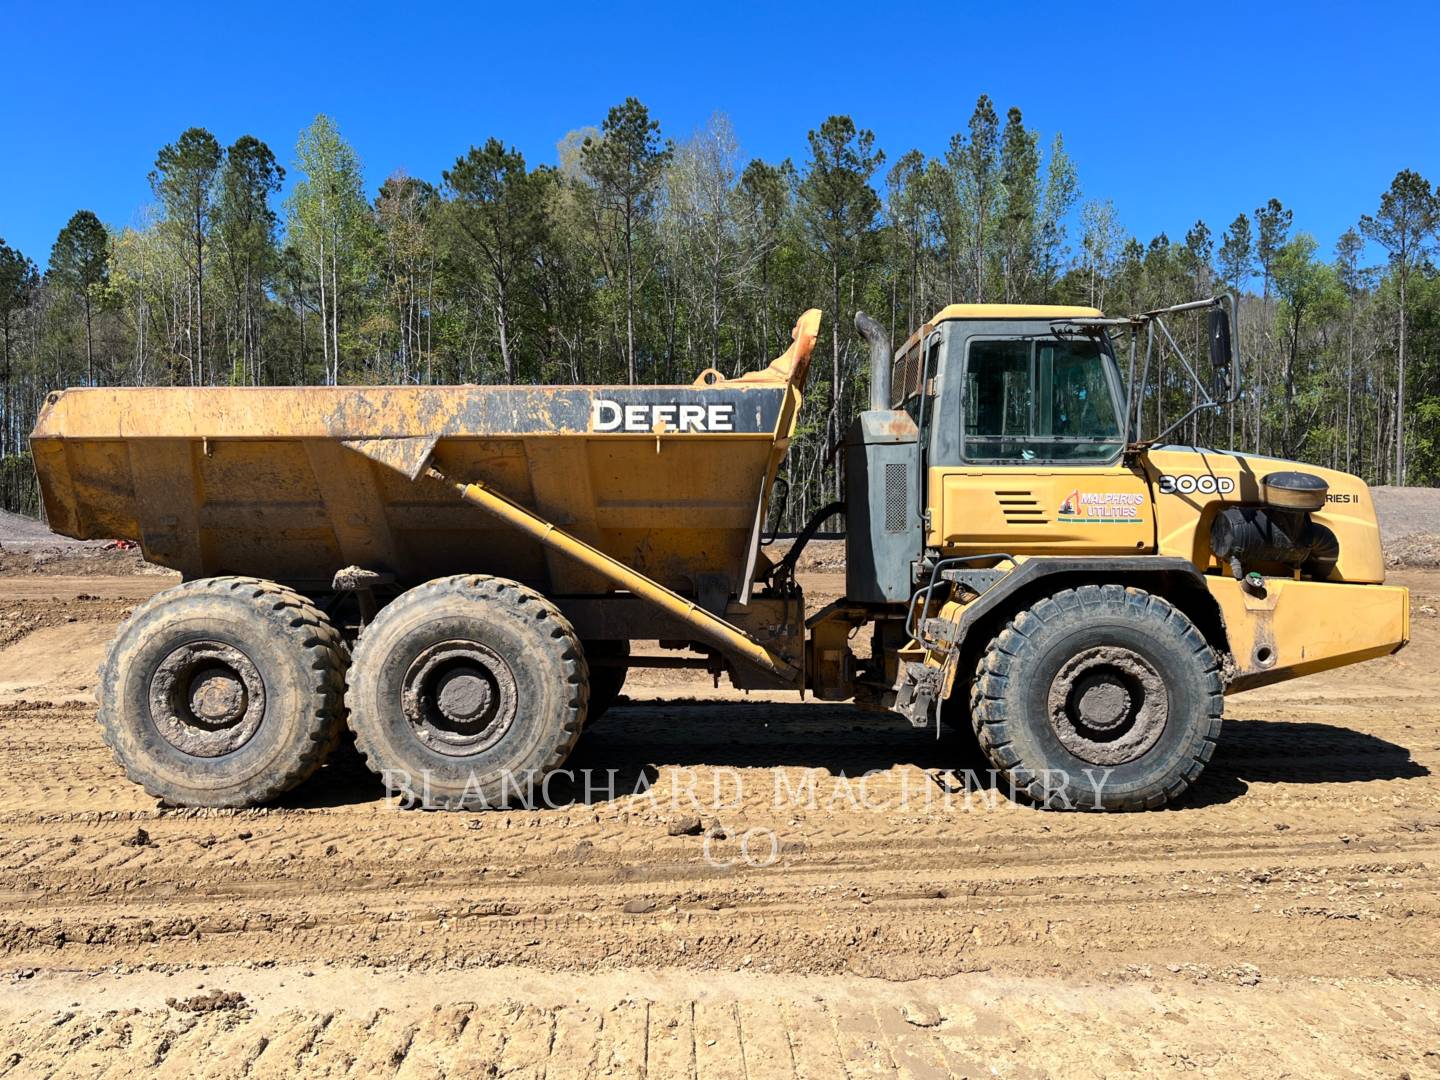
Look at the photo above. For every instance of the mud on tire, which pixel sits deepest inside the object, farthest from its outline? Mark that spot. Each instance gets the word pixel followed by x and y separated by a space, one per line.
pixel 465 692
pixel 223 691
pixel 1102 697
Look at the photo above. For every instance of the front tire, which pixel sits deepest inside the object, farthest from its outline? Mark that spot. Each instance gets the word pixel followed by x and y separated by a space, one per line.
pixel 465 692
pixel 1099 698
pixel 223 692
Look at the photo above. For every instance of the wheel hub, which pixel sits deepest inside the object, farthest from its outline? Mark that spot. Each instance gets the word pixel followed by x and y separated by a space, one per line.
pixel 1108 705
pixel 1103 704
pixel 460 696
pixel 463 694
pixel 217 696
pixel 207 698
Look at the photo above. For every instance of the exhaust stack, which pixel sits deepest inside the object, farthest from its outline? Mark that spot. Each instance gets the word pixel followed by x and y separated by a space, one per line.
pixel 875 335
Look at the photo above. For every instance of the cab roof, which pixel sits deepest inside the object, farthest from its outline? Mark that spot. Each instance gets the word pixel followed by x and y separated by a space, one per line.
pixel 1001 311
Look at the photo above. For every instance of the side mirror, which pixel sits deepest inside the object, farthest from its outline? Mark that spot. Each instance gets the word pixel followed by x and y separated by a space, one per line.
pixel 1222 354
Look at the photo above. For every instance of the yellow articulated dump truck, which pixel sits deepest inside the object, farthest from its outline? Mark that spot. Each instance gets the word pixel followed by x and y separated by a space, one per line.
pixel 458 572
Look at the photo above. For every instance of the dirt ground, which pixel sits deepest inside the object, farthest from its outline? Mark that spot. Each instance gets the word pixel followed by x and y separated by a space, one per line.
pixel 1281 921
pixel 855 910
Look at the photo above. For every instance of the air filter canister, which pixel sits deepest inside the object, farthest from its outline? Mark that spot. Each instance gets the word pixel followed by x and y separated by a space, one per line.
pixel 1294 491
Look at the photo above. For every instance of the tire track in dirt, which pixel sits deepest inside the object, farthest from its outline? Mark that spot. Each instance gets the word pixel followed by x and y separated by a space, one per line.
pixel 1306 855
pixel 738 1028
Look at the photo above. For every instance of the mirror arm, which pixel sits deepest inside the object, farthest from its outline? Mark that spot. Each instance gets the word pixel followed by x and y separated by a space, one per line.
pixel 1130 393
pixel 1150 319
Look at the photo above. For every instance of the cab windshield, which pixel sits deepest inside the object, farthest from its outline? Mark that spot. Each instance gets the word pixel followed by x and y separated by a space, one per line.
pixel 1040 399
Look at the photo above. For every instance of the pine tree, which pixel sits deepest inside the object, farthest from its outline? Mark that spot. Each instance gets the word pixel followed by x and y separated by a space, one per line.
pixel 839 206
pixel 1404 226
pixel 498 217
pixel 184 181
pixel 245 225
pixel 80 264
pixel 626 163
pixel 18 280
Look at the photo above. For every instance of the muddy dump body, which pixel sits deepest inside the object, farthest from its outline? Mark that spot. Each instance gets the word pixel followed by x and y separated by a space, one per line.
pixel 292 484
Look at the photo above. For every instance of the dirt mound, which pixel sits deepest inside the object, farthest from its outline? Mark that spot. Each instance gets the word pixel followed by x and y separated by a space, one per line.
pixel 1419 550
pixel 1406 511
pixel 1409 525
pixel 18 529
pixel 27 546
pixel 819 556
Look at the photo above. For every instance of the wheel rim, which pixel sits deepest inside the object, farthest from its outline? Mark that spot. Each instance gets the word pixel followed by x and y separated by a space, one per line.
pixel 1108 705
pixel 207 698
pixel 459 697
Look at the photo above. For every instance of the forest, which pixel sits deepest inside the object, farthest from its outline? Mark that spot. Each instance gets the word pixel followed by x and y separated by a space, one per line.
pixel 645 258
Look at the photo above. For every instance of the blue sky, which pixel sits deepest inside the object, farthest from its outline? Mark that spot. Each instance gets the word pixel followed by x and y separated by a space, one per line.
pixel 1174 117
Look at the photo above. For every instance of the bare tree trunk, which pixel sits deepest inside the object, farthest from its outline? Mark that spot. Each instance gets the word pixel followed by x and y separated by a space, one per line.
pixel 335 311
pixel 1400 392
pixel 629 297
pixel 835 421
pixel 324 320
pixel 502 325
pixel 89 345
pixel 1349 386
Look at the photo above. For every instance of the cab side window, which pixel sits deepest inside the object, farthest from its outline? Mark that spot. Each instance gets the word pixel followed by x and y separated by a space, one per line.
pixel 997 400
pixel 1038 399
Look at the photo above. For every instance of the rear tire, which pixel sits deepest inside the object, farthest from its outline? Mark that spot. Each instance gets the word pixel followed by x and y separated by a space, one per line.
pixel 1099 698
pixel 223 692
pixel 606 680
pixel 465 692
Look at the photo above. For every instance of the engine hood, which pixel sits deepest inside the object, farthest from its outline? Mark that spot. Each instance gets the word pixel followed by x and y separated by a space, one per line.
pixel 1190 484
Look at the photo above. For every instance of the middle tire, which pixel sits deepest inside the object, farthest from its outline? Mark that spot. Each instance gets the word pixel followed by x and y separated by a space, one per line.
pixel 465 692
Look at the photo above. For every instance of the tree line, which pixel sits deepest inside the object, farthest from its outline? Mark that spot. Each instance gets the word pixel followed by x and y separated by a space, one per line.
pixel 639 258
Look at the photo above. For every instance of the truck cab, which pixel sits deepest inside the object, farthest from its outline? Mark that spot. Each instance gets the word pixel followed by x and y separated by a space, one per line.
pixel 999 493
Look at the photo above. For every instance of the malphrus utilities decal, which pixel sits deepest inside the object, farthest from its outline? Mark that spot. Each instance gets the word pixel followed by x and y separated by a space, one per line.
pixel 1099 507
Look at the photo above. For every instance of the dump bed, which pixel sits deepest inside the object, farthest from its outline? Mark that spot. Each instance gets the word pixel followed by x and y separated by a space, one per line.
pixel 292 484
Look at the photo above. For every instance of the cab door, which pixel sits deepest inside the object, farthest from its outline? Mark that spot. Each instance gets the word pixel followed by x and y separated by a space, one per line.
pixel 1037 467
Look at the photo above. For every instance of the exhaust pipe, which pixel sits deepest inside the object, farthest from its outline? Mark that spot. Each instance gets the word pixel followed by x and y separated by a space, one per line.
pixel 874 333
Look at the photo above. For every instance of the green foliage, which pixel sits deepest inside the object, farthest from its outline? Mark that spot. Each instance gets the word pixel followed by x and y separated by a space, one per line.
pixel 245 235
pixel 1408 216
pixel 1272 222
pixel 329 224
pixel 80 265
pixel 642 258
pixel 838 206
pixel 1237 253
pixel 184 179
pixel 80 259
pixel 498 225
pixel 19 492
pixel 625 164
